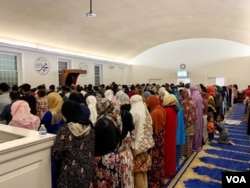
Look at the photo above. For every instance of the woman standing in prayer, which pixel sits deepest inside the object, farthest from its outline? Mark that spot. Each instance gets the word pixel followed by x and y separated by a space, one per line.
pixel 74 148
pixel 91 102
pixel 53 121
pixel 143 140
pixel 181 133
pixel 107 135
pixel 198 135
pixel 126 155
pixel 211 101
pixel 171 109
pixel 22 117
pixel 158 115
pixel 41 102
pixel 53 118
pixel 189 112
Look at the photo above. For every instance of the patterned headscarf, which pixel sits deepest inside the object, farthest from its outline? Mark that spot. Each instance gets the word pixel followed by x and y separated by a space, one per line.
pixel 141 118
pixel 106 108
pixel 22 117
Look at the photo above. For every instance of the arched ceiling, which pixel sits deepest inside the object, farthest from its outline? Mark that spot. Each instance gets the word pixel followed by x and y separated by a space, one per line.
pixel 122 29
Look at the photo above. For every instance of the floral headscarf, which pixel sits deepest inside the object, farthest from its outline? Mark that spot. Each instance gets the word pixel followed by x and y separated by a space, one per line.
pixel 106 108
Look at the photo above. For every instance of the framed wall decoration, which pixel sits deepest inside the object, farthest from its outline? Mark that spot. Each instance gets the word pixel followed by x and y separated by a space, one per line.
pixel 83 66
pixel 41 65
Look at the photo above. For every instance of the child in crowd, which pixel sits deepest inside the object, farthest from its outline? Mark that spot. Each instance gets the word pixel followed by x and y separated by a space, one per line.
pixel 210 127
pixel 220 126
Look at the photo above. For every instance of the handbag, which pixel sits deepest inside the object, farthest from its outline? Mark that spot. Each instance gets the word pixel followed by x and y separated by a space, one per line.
pixel 142 162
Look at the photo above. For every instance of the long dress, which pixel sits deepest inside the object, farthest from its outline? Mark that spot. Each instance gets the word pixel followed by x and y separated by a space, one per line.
pixel 198 135
pixel 158 114
pixel 126 163
pixel 170 142
pixel 107 159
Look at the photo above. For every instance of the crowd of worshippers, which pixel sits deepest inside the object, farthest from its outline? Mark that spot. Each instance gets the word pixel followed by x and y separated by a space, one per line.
pixel 115 135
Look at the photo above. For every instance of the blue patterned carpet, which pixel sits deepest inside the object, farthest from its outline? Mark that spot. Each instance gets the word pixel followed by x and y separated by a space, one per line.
pixel 204 171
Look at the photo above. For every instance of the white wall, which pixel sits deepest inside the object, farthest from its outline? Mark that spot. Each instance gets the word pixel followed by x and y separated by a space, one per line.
pixel 27 73
pixel 203 58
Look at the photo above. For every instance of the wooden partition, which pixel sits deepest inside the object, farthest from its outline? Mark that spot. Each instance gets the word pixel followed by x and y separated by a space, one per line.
pixel 69 76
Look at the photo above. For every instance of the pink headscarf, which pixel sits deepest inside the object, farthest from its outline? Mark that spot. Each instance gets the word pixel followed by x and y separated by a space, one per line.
pixel 21 116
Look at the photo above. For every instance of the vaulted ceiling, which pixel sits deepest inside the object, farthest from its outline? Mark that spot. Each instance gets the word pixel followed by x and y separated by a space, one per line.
pixel 122 29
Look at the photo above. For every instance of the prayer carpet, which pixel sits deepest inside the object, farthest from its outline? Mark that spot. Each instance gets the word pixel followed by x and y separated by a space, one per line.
pixel 204 169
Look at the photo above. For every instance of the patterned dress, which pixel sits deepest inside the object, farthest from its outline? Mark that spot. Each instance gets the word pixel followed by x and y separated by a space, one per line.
pixel 156 174
pixel 189 111
pixel 77 156
pixel 126 163
pixel 107 171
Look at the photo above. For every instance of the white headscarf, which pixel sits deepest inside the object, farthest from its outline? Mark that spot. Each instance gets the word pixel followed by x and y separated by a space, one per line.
pixel 123 98
pixel 141 117
pixel 162 92
pixel 91 102
pixel 109 94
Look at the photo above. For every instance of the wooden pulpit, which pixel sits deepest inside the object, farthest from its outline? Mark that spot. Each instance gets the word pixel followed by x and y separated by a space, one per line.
pixel 69 76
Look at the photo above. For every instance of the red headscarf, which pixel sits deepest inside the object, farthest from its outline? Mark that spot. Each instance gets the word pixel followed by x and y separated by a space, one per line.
pixel 211 90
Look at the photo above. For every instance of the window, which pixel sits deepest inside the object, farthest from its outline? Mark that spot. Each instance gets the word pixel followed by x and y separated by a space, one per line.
pixel 220 81
pixel 8 69
pixel 98 78
pixel 62 64
pixel 183 81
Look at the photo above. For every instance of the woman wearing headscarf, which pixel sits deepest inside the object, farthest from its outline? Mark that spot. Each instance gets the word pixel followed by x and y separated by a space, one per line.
pixel 162 92
pixel 189 112
pixel 109 94
pixel 74 148
pixel 211 101
pixel 126 155
pixel 107 135
pixel 123 99
pixel 171 109
pixel 198 135
pixel 204 96
pixel 22 117
pixel 91 102
pixel 158 115
pixel 77 98
pixel 180 133
pixel 53 118
pixel 53 121
pixel 143 140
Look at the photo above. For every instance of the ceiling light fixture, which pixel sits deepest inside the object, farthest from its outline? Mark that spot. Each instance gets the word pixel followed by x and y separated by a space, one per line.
pixel 90 14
